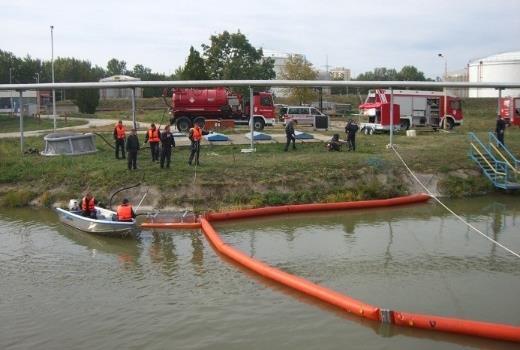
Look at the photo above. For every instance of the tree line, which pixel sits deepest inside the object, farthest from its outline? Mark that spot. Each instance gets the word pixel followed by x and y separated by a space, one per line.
pixel 227 56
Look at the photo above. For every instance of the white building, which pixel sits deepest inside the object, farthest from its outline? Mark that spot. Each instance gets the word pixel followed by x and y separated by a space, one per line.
pixel 280 59
pixel 499 68
pixel 106 94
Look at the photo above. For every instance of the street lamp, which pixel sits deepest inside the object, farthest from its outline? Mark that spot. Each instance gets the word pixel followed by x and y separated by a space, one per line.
pixel 37 95
pixel 52 70
pixel 444 89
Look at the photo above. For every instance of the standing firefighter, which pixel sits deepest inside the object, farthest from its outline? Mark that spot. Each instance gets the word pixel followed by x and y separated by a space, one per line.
pixel 167 144
pixel 119 136
pixel 132 147
pixel 351 129
pixel 195 136
pixel 153 137
pixel 500 130
pixel 289 133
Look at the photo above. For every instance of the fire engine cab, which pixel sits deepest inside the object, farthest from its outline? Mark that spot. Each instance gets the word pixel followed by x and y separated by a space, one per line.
pixel 510 110
pixel 411 109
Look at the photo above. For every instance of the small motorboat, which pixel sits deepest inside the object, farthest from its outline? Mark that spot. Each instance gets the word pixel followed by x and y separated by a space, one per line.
pixel 105 224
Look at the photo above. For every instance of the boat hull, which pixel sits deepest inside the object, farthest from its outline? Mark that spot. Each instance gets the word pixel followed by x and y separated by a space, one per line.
pixel 104 225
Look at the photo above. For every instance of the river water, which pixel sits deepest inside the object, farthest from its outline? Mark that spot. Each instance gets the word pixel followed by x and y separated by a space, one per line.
pixel 64 289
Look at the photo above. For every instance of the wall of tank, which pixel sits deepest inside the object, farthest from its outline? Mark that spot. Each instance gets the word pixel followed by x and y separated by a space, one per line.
pixel 495 69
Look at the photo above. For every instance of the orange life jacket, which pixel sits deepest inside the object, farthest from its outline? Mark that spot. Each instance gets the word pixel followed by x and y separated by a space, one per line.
pixel 196 134
pixel 153 135
pixel 121 132
pixel 88 207
pixel 124 212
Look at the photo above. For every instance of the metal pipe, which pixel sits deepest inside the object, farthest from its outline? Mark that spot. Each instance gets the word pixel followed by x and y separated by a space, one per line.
pixel 391 117
pixel 263 83
pixel 133 108
pixel 251 114
pixel 21 120
pixel 52 70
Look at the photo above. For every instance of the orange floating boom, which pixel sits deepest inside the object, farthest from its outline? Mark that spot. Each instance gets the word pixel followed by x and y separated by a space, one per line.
pixel 399 318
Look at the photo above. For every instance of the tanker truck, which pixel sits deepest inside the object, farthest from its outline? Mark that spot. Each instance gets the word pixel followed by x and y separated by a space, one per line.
pixel 190 106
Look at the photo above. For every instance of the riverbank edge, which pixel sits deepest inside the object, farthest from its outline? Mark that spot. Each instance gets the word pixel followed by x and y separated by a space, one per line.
pixel 455 184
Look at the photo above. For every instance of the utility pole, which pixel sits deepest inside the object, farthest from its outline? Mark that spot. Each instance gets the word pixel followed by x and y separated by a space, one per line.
pixel 37 95
pixel 52 69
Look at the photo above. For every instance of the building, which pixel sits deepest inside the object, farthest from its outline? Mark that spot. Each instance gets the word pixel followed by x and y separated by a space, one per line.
pixel 499 68
pixel 111 93
pixel 456 76
pixel 10 101
pixel 280 59
pixel 340 73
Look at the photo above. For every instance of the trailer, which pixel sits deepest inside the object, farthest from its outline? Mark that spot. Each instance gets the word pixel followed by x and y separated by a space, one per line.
pixel 411 109
pixel 190 106
pixel 510 109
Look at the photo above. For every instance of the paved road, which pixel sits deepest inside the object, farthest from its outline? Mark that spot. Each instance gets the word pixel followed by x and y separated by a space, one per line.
pixel 240 139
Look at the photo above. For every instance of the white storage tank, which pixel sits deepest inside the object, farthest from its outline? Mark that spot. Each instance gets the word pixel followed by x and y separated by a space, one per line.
pixel 500 68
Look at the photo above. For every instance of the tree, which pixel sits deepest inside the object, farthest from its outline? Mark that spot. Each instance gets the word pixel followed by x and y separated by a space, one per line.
pixel 232 57
pixel 298 68
pixel 195 68
pixel 87 100
pixel 411 73
pixel 116 67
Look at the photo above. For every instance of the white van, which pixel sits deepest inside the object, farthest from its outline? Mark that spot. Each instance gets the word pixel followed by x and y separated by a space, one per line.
pixel 304 115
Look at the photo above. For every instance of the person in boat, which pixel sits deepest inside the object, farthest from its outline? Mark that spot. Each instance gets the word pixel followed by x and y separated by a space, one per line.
pixel 195 135
pixel 88 206
pixel 334 144
pixel 125 212
pixel 119 136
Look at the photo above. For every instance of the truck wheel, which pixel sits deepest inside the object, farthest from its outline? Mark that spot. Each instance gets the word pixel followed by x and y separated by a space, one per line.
pixel 200 120
pixel 371 131
pixel 365 130
pixel 405 124
pixel 451 123
pixel 258 124
pixel 184 124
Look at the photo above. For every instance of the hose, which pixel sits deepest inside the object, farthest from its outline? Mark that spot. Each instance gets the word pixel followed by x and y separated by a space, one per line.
pixel 103 138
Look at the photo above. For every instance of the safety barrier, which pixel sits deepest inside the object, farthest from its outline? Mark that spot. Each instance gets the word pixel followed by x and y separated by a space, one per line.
pixel 344 302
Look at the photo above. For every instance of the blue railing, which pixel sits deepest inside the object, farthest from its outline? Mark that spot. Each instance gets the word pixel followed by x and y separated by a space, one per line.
pixel 495 170
pixel 511 157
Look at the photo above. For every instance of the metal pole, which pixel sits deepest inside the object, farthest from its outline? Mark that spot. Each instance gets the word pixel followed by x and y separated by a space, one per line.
pixel 52 69
pixel 391 117
pixel 498 102
pixel 21 120
pixel 251 114
pixel 38 96
pixel 133 108
pixel 11 92
pixel 445 108
pixel 321 99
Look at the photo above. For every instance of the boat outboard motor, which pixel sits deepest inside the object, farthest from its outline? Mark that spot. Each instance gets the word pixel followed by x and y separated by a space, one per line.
pixel 73 205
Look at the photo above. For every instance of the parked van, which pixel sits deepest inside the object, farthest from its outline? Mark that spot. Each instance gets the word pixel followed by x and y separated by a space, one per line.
pixel 304 115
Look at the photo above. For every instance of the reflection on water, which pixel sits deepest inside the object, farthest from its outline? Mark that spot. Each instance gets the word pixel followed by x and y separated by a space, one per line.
pixel 61 288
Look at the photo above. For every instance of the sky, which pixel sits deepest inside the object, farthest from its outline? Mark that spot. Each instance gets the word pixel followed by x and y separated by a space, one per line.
pixel 359 35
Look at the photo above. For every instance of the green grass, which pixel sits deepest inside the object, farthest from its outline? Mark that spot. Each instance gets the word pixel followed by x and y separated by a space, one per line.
pixel 229 178
pixel 12 124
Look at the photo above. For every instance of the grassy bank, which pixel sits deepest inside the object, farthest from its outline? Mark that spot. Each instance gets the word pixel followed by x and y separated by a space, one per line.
pixel 229 178
pixel 12 124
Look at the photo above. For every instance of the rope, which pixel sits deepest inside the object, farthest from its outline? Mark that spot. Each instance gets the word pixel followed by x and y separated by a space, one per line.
pixel 448 209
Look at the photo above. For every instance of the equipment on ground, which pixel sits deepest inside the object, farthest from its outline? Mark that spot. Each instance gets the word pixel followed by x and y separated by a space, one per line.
pixel 191 106
pixel 411 109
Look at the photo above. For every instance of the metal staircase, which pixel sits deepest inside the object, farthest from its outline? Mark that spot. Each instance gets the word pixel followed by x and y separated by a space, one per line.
pixel 496 161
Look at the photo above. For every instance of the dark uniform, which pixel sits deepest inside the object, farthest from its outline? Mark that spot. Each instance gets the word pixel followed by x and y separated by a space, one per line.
pixel 351 130
pixel 167 144
pixel 501 130
pixel 289 133
pixel 132 147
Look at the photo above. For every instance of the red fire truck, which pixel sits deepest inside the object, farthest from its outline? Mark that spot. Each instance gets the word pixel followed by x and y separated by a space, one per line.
pixel 411 109
pixel 510 109
pixel 191 106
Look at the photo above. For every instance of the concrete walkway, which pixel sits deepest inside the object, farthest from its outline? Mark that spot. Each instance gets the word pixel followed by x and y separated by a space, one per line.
pixel 181 140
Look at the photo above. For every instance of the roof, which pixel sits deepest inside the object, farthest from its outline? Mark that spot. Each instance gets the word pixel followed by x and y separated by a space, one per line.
pixel 500 57
pixel 119 78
